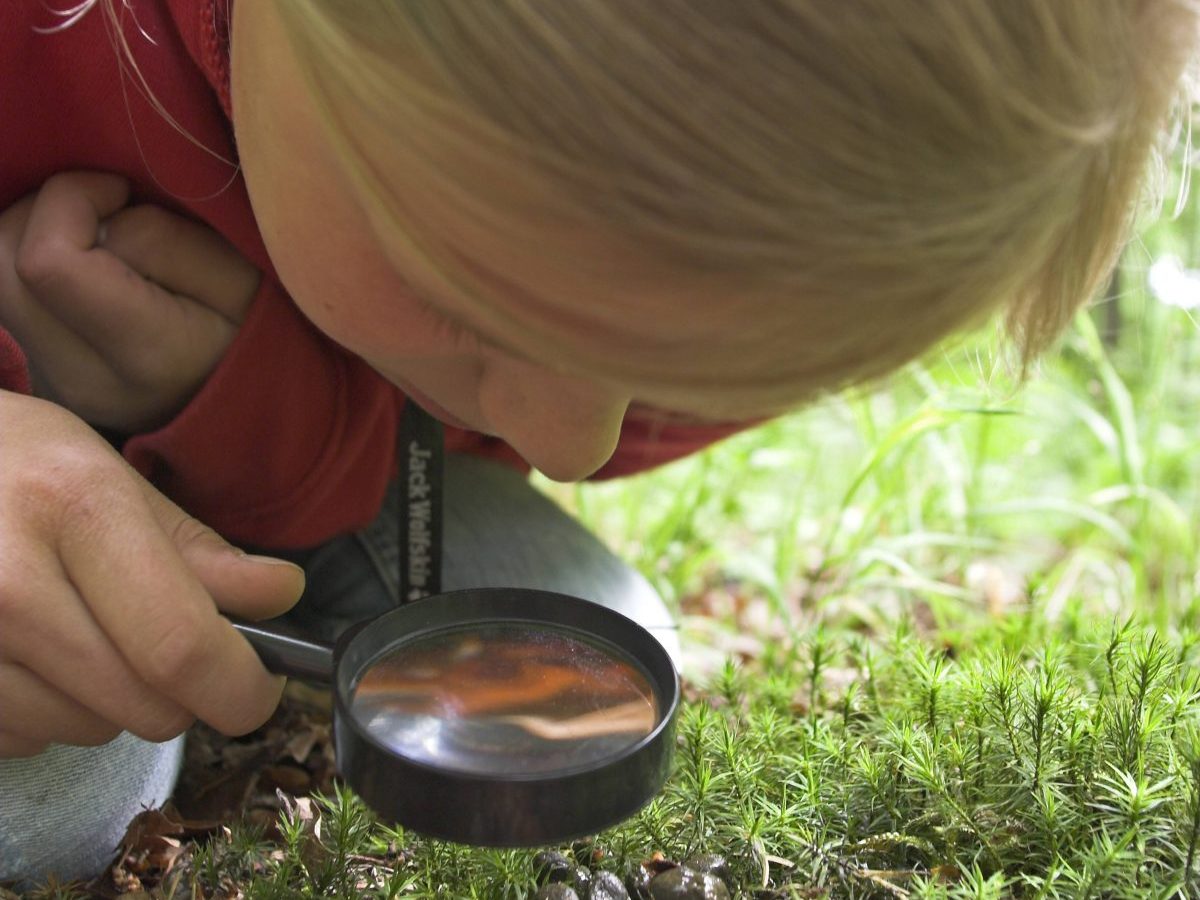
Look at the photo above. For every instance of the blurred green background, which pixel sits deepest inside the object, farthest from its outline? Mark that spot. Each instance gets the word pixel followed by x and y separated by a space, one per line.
pixel 956 493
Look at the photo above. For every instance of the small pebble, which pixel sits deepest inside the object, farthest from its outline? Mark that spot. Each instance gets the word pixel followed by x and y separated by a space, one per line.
pixel 637 883
pixel 607 886
pixel 682 883
pixel 555 891
pixel 550 866
pixel 711 863
pixel 580 879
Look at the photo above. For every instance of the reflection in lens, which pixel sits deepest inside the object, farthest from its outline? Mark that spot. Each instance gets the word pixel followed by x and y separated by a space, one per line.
pixel 505 699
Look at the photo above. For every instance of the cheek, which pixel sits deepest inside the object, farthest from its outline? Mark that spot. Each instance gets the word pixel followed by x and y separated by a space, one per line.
pixel 310 283
pixel 346 289
pixel 329 260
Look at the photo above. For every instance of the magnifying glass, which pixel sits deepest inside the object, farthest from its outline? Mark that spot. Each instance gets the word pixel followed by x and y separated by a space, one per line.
pixel 495 716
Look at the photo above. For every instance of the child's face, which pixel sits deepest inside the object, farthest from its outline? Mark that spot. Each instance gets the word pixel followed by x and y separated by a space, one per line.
pixel 333 265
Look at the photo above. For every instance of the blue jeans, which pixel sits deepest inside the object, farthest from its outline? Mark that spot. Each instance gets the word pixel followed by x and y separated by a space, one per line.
pixel 64 812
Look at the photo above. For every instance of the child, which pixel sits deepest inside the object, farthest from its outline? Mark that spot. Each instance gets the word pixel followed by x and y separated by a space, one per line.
pixel 589 235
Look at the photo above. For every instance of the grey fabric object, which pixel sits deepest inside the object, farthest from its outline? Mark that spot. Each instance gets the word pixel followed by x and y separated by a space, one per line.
pixel 66 810
pixel 499 532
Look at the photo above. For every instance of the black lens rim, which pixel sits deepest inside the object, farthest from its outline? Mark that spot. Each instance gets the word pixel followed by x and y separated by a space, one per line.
pixel 520 810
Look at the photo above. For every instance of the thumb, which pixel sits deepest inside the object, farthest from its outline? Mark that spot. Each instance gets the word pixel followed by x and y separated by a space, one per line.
pixel 250 587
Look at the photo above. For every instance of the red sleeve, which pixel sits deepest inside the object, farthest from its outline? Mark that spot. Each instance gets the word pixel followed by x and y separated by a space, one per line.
pixel 290 441
pixel 14 370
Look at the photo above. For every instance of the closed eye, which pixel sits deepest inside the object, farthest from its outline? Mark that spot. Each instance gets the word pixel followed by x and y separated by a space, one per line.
pixel 445 329
pixel 462 337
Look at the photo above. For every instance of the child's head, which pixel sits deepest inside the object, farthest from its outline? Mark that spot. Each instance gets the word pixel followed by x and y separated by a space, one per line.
pixel 717 207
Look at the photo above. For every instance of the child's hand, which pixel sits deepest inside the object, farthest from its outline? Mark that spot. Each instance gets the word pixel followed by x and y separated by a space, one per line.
pixel 122 311
pixel 110 598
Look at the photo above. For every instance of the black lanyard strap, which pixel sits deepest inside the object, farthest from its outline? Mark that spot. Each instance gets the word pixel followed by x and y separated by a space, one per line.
pixel 420 504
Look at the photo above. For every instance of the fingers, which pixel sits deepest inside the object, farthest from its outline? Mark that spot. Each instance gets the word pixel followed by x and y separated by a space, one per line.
pixel 51 633
pixel 50 716
pixel 181 647
pixel 96 599
pixel 55 257
pixel 122 311
pixel 103 622
pixel 93 292
pixel 45 339
pixel 75 202
pixel 184 257
pixel 249 587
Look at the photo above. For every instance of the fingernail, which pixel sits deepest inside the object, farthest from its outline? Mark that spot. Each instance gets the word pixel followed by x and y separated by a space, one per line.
pixel 270 561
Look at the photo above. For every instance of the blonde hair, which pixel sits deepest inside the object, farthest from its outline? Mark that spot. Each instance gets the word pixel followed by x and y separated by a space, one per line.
pixel 844 182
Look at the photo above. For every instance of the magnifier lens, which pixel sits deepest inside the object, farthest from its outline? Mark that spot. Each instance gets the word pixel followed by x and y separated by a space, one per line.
pixel 505 699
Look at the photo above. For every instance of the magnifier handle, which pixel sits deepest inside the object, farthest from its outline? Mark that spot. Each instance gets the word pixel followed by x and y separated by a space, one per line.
pixel 291 656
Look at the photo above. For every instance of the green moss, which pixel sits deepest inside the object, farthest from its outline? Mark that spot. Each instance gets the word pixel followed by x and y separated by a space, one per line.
pixel 1068 768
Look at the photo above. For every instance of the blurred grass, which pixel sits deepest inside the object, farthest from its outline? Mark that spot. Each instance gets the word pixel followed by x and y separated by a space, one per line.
pixel 953 493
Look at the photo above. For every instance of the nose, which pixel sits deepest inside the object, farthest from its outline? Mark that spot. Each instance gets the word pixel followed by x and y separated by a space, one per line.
pixel 564 426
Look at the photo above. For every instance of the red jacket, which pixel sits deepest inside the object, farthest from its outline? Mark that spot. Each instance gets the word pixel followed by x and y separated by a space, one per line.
pixel 291 439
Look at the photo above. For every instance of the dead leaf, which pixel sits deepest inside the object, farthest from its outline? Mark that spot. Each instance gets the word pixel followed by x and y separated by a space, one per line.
pixel 301 744
pixel 151 847
pixel 156 858
pixel 150 823
pixel 946 874
pixel 292 779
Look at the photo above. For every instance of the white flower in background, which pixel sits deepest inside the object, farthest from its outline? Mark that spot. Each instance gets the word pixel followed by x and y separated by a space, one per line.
pixel 1174 285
